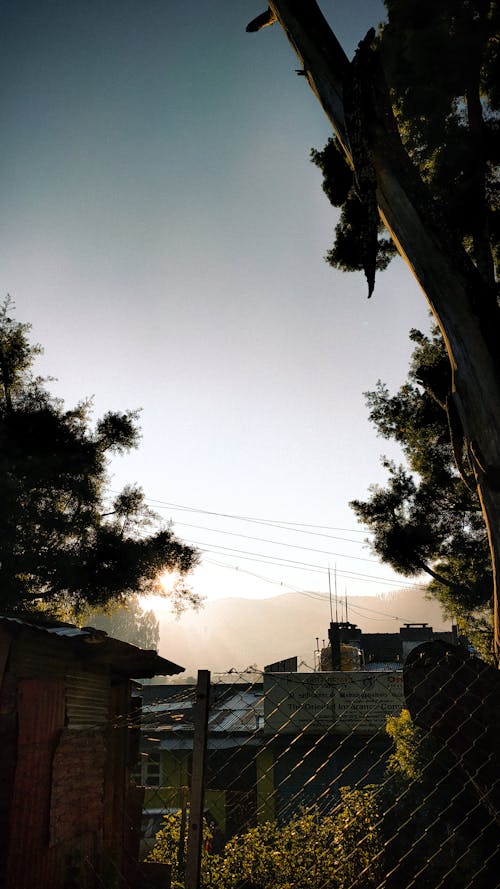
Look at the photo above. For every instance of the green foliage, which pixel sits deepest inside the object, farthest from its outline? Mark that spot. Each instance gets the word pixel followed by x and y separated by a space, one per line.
pixel 311 850
pixel 413 748
pixel 61 547
pixel 171 845
pixel 348 251
pixel 441 60
pixel 129 622
pixel 428 518
pixel 434 831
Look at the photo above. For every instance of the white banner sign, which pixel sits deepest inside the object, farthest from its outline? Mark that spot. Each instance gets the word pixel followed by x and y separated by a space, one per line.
pixel 338 703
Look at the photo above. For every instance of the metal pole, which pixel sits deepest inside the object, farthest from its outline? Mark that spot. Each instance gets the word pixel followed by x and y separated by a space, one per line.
pixel 195 829
pixel 181 851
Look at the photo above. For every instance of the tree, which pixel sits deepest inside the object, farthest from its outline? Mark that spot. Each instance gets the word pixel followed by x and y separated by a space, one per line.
pixel 428 518
pixel 129 622
pixel 60 545
pixel 401 172
pixel 441 60
pixel 425 786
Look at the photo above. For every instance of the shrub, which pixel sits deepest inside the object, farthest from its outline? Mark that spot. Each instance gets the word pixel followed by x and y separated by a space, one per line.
pixel 311 850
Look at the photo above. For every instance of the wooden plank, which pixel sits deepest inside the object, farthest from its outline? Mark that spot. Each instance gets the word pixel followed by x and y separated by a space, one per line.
pixel 195 829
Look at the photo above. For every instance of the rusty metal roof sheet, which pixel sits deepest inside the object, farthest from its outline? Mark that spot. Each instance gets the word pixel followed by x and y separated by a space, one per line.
pixel 95 647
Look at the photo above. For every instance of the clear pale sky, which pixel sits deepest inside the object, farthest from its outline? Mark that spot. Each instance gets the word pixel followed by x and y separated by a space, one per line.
pixel 163 230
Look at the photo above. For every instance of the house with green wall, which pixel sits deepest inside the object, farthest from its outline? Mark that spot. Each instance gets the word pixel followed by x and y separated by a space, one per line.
pixel 257 769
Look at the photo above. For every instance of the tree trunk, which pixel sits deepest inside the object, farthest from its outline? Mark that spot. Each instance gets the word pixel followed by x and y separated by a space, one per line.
pixel 461 301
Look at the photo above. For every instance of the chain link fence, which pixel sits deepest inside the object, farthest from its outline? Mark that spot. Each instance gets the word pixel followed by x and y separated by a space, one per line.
pixel 274 780
pixel 324 780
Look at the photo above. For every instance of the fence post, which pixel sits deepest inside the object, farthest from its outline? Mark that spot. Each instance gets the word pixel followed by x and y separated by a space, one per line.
pixel 195 829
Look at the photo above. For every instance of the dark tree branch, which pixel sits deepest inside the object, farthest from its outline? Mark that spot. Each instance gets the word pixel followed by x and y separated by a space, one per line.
pixel 462 301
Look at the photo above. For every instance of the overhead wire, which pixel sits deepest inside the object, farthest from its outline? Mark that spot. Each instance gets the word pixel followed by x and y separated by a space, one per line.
pixel 266 540
pixel 299 527
pixel 288 526
pixel 310 549
pixel 318 569
pixel 309 594
pixel 270 559
pixel 273 559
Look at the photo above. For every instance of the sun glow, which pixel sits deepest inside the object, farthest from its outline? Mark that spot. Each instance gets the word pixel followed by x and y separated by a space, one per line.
pixel 167 582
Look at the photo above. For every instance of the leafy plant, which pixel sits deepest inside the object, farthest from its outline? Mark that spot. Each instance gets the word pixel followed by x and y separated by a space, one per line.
pixel 311 850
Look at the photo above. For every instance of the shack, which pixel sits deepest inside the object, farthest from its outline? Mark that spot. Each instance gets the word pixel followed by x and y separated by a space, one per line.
pixel 69 735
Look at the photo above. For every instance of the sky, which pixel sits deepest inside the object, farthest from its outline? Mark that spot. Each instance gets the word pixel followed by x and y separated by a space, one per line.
pixel 164 231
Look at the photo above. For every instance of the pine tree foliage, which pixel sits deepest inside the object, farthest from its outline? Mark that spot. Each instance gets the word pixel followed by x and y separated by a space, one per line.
pixel 428 518
pixel 442 62
pixel 63 545
pixel 340 187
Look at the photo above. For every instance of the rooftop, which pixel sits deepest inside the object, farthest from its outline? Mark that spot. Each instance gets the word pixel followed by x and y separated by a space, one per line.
pixel 93 646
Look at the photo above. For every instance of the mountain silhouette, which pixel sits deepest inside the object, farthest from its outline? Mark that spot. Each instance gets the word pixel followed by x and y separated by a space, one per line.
pixel 232 634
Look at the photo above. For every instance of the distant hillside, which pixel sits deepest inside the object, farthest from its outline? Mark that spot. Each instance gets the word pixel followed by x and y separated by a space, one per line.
pixel 234 633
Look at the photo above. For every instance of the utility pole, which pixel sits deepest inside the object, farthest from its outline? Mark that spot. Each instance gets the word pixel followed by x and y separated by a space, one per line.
pixel 195 829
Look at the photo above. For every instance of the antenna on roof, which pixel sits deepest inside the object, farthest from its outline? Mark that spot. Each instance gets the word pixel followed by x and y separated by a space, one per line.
pixel 346 618
pixel 330 592
pixel 336 597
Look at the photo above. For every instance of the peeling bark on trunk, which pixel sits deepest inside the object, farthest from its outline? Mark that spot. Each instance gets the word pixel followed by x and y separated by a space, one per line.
pixel 461 301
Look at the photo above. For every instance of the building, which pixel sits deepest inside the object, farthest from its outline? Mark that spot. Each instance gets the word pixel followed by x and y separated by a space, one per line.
pixel 272 748
pixel 275 746
pixel 234 764
pixel 69 814
pixel 349 648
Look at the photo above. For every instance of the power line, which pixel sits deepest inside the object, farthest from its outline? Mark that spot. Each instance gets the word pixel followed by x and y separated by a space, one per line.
pixel 279 561
pixel 280 583
pixel 275 560
pixel 277 523
pixel 278 542
pixel 313 595
pixel 267 523
pixel 301 566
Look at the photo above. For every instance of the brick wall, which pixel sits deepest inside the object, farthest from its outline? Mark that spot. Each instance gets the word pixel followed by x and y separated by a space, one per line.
pixel 77 785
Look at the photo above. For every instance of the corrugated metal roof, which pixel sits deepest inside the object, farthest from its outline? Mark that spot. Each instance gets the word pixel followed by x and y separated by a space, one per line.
pixel 235 710
pixel 64 630
pixel 174 742
pixel 237 713
pixel 95 647
pixel 166 706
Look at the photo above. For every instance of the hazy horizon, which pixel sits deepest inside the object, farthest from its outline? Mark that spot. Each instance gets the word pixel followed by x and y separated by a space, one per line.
pixel 236 633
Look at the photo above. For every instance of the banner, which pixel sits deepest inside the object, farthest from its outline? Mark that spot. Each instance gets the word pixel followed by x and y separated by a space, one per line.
pixel 337 703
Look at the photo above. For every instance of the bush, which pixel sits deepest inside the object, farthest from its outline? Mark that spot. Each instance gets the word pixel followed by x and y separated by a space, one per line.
pixel 311 850
pixel 171 845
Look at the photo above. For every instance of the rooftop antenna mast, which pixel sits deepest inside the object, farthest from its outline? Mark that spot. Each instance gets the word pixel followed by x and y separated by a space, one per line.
pixel 336 597
pixel 346 618
pixel 330 591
